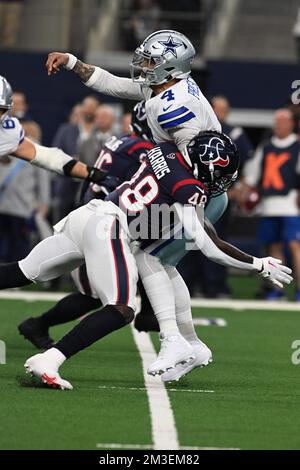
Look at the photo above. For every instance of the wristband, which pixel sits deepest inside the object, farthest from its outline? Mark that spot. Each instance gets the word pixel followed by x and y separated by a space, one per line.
pixel 257 264
pixel 72 59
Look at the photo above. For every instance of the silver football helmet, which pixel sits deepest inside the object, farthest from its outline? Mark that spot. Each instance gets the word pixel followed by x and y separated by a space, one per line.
pixel 163 55
pixel 6 100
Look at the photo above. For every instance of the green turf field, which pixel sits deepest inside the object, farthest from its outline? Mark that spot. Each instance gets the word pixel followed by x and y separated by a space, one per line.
pixel 250 399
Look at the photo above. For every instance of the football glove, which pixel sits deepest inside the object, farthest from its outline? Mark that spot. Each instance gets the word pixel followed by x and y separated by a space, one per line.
pixel 274 271
pixel 95 175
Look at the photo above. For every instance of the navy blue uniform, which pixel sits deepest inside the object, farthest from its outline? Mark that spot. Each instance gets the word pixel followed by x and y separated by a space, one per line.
pixel 120 157
pixel 163 179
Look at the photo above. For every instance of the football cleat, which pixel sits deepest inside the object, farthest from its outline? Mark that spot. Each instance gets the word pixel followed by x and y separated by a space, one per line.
pixel 203 356
pixel 39 367
pixel 174 350
pixel 37 334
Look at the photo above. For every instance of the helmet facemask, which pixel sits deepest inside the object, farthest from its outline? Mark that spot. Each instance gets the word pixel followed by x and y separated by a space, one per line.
pixel 5 99
pixel 221 185
pixel 143 68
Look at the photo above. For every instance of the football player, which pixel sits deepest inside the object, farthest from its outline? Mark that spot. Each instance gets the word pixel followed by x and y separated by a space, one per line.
pixel 175 107
pixel 160 74
pixel 14 142
pixel 100 234
pixel 120 158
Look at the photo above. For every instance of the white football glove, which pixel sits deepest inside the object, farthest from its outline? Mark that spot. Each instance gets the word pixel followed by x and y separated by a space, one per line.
pixel 272 269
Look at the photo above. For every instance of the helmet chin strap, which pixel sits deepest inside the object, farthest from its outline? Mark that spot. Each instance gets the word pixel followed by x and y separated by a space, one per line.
pixel 211 170
pixel 186 156
pixel 196 171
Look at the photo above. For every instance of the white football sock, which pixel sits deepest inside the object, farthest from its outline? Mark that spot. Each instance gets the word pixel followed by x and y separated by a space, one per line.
pixel 160 293
pixel 183 309
pixel 159 290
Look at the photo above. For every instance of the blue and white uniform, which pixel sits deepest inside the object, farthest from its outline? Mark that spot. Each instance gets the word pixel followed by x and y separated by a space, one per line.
pixel 11 135
pixel 177 114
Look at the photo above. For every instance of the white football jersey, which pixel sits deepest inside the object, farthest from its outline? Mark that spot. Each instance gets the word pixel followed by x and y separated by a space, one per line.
pixel 176 115
pixel 11 135
pixel 179 113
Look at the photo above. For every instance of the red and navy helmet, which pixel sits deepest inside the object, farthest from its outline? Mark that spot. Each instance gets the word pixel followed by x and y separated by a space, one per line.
pixel 215 160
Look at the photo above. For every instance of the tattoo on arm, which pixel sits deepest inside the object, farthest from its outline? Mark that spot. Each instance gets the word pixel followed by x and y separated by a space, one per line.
pixel 228 249
pixel 84 71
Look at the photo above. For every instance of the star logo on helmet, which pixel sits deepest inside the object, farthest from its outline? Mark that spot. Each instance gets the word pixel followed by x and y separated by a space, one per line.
pixel 170 46
pixel 214 157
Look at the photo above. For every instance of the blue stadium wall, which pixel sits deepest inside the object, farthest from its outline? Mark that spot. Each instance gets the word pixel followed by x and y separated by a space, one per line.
pixel 247 85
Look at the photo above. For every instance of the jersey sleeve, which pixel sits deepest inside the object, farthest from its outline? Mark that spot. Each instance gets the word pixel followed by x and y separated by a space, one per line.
pixel 12 135
pixel 109 84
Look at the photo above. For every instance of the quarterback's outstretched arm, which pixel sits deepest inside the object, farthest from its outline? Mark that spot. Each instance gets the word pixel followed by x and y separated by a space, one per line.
pixel 228 255
pixel 54 159
pixel 95 77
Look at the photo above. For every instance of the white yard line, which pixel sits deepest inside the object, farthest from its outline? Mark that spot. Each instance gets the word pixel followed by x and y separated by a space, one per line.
pixel 114 445
pixel 164 433
pixel 144 389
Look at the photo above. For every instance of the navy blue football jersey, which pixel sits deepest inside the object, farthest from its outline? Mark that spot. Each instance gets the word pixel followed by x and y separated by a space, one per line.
pixel 121 158
pixel 163 179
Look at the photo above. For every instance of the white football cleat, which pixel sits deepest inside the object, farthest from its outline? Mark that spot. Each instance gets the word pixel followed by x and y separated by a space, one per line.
pixel 38 366
pixel 203 356
pixel 174 350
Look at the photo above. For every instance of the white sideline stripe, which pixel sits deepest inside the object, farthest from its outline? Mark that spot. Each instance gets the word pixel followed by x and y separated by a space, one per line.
pixel 16 294
pixel 246 304
pixel 144 389
pixel 113 445
pixel 164 433
pixel 209 322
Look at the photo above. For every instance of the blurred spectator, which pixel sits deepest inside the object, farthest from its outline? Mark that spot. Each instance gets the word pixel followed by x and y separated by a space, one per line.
pixel 32 130
pixel 221 107
pixel 20 107
pixel 76 114
pixel 89 149
pixel 296 34
pixel 10 20
pixel 275 171
pixel 24 194
pixel 126 124
pixel 69 137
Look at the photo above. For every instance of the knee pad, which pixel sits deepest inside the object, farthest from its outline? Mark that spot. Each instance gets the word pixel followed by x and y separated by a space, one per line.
pixel 126 312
